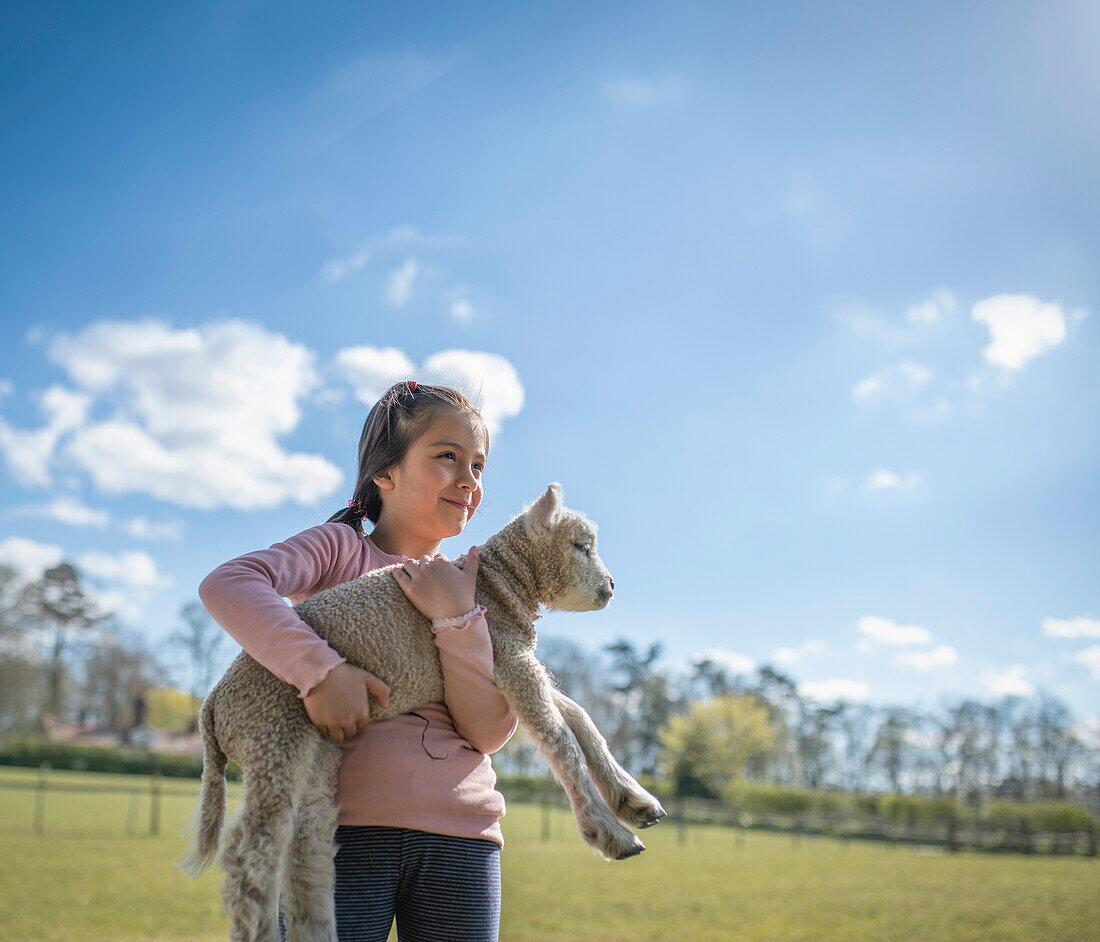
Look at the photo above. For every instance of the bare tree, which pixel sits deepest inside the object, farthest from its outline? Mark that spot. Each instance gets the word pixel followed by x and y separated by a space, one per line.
pixel 201 641
pixel 118 672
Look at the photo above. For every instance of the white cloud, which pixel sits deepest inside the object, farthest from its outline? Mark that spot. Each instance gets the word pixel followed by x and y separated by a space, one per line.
pixel 400 282
pixel 7 387
pixel 941 302
pixel 796 654
pixel 337 269
pixel 940 656
pixel 29 558
pixel 372 370
pixel 29 453
pixel 67 510
pixel 141 528
pixel 1009 682
pixel 132 568
pixel 486 378
pixel 198 412
pixel 1020 326
pixel 886 480
pixel 1079 627
pixel 885 631
pixel 730 661
pixel 834 690
pixel 636 91
pixel 1090 658
pixel 462 310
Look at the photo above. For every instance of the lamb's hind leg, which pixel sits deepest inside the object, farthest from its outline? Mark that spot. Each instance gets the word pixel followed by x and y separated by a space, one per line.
pixel 530 695
pixel 632 804
pixel 308 885
pixel 254 845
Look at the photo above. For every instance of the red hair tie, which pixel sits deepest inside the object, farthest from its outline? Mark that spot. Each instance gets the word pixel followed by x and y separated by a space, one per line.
pixel 411 384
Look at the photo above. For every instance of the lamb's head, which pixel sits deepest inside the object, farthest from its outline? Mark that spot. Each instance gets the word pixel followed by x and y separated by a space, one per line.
pixel 570 574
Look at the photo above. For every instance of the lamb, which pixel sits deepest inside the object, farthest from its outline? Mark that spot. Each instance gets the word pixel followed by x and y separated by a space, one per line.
pixel 546 555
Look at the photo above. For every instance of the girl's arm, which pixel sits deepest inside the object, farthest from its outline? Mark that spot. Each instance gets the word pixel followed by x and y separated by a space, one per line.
pixel 481 714
pixel 245 596
pixel 440 590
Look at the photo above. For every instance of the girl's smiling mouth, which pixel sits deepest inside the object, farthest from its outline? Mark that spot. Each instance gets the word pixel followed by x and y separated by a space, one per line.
pixel 457 503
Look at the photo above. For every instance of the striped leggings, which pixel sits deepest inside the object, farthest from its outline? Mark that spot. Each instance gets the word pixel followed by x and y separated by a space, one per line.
pixel 440 888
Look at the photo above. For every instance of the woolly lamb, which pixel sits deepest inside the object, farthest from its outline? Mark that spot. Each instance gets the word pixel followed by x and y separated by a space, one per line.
pixel 546 555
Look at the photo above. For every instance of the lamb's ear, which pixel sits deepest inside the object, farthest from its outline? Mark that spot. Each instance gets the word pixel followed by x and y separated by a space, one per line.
pixel 545 511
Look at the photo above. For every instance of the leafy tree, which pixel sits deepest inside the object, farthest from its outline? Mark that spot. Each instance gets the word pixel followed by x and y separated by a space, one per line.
pixel 58 604
pixel 709 746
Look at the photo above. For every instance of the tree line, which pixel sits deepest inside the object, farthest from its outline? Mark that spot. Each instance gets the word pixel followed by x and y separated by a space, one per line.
pixel 698 730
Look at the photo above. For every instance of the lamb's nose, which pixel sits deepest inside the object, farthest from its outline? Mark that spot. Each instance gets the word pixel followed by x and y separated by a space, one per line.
pixel 612 581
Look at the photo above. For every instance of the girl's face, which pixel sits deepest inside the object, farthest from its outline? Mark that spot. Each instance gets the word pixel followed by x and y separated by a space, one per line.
pixel 435 490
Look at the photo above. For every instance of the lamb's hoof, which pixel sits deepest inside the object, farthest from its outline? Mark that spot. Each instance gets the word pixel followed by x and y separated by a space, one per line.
pixel 655 818
pixel 633 851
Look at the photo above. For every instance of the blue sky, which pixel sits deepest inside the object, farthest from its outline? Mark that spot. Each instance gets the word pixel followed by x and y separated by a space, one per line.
pixel 799 301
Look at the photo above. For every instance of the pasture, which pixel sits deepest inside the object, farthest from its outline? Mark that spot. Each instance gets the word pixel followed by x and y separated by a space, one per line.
pixel 85 879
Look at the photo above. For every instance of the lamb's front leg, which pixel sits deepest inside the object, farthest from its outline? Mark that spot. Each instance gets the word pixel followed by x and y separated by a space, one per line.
pixel 529 692
pixel 632 804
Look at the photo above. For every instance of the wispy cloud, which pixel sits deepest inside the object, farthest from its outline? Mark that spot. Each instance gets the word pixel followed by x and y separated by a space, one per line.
pixel 942 655
pixel 835 690
pixel 29 452
pixel 786 656
pixel 68 510
pixel 132 568
pixel 1008 682
pixel 399 284
pixel 894 382
pixel 885 631
pixel 883 480
pixel 1090 658
pixel 337 269
pixel 941 303
pixel 1079 627
pixel 730 661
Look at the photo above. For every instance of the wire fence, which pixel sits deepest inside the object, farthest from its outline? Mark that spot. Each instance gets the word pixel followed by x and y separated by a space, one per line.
pixel 145 799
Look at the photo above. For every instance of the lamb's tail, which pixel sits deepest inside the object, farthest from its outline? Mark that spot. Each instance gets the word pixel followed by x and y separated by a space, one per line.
pixel 207 824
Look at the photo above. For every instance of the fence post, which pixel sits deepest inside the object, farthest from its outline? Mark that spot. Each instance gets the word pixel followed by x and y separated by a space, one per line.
pixel 154 805
pixel 40 798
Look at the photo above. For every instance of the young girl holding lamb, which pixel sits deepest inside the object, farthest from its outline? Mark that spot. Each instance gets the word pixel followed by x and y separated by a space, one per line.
pixel 419 833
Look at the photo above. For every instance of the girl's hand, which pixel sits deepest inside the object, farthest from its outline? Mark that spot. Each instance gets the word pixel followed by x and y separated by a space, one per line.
pixel 437 587
pixel 339 705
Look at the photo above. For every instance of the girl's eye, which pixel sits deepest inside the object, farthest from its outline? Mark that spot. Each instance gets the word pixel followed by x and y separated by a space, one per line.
pixel 447 454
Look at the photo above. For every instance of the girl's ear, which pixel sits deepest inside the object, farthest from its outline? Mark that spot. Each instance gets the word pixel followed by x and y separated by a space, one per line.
pixel 384 480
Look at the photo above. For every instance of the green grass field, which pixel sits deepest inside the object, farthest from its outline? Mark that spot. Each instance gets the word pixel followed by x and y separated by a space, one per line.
pixel 85 879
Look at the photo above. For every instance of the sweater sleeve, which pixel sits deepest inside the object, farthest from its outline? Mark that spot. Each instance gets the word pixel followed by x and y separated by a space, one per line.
pixel 481 714
pixel 245 596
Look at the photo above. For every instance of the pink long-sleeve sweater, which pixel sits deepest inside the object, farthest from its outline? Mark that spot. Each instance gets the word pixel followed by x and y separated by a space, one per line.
pixel 428 770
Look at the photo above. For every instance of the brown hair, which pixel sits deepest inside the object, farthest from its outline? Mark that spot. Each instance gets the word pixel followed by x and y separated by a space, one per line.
pixel 397 420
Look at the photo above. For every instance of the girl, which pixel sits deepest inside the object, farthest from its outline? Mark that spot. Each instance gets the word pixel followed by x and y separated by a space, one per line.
pixel 419 828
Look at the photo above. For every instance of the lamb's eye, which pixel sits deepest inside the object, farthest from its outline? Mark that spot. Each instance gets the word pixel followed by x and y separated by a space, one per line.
pixel 582 547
